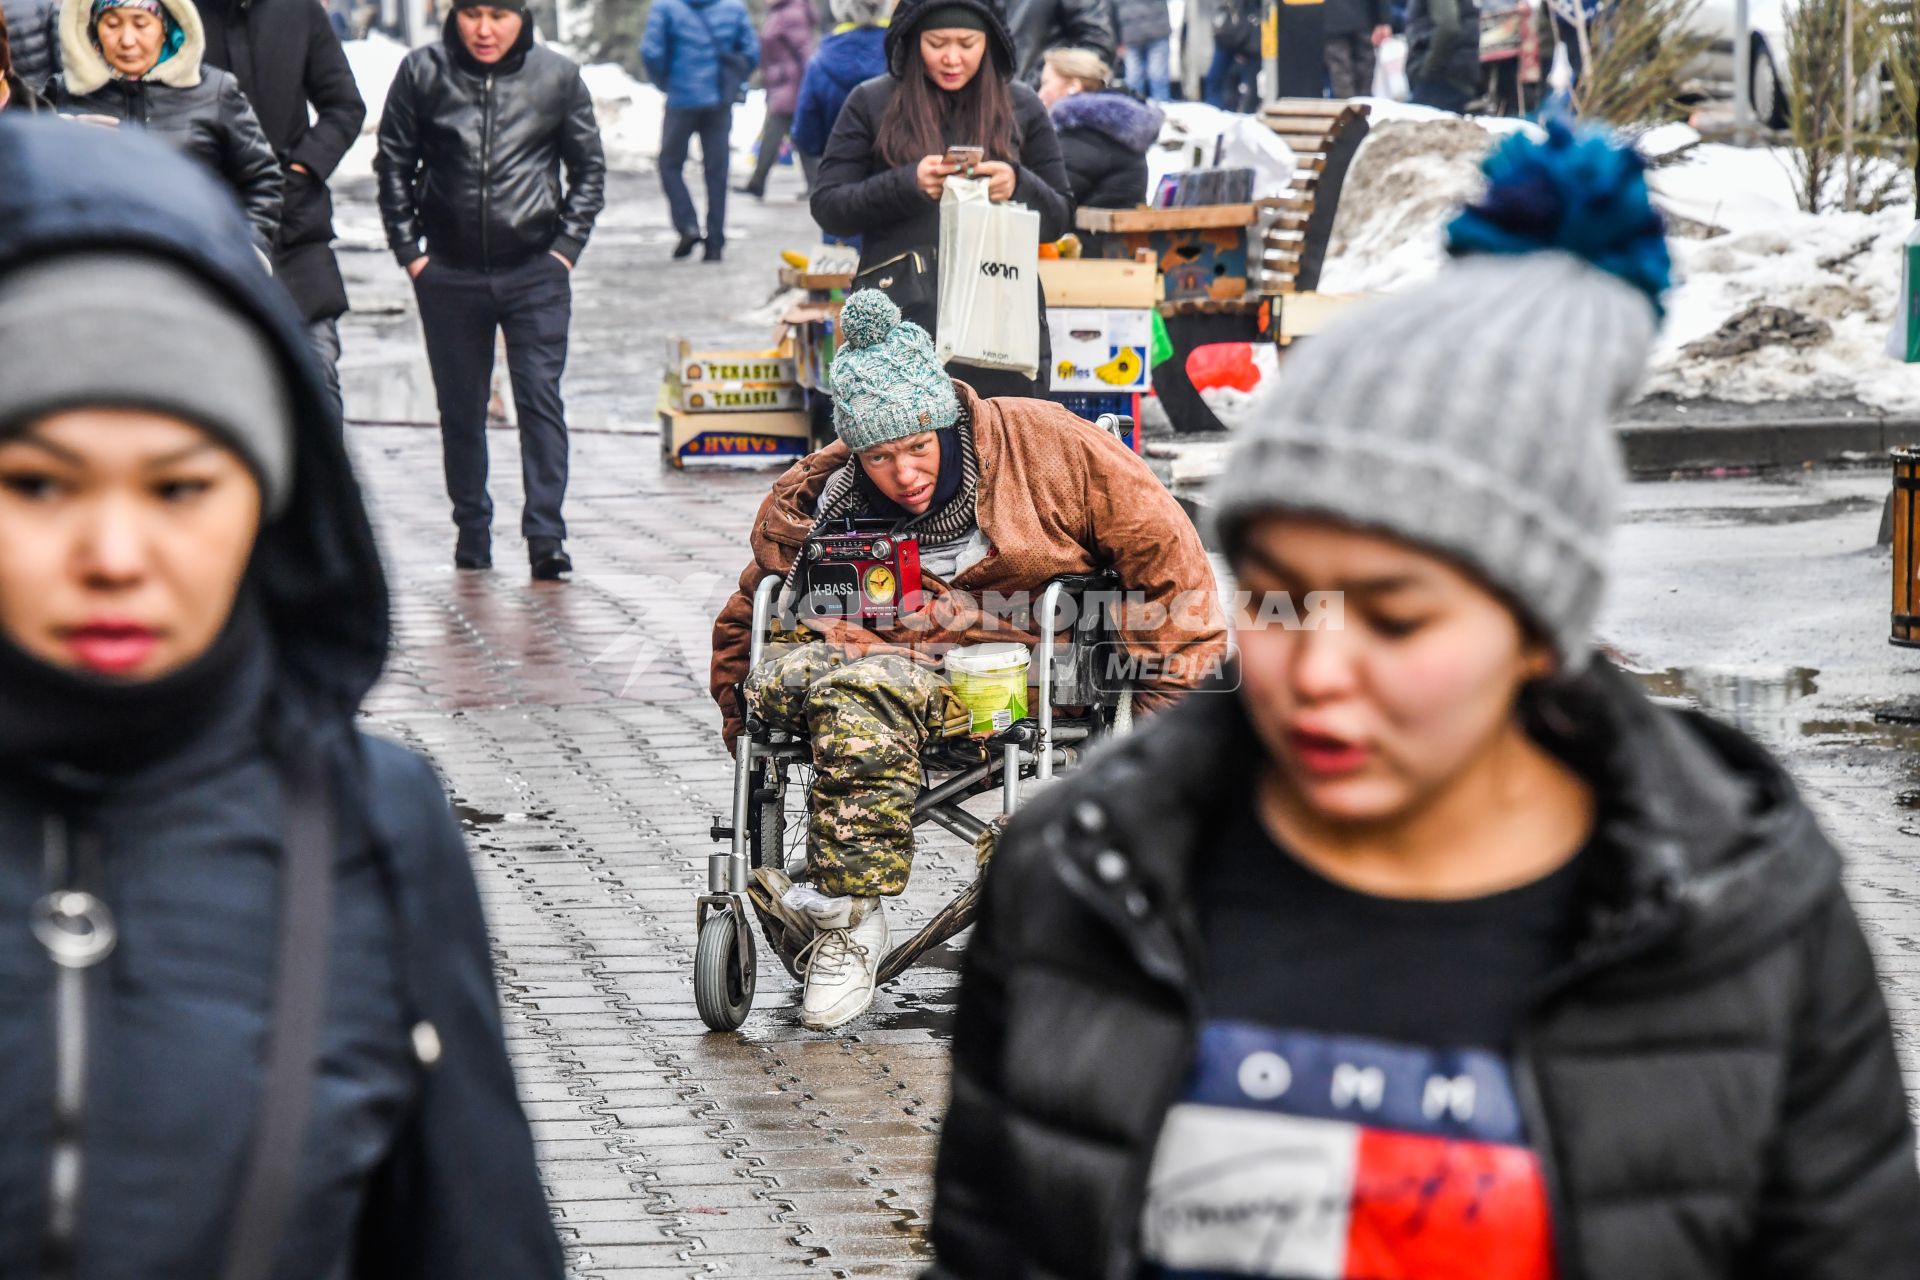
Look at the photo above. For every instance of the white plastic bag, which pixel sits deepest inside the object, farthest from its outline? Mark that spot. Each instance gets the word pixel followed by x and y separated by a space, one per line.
pixel 989 280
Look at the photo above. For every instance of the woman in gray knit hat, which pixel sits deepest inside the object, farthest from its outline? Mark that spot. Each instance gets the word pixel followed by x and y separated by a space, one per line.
pixel 1433 949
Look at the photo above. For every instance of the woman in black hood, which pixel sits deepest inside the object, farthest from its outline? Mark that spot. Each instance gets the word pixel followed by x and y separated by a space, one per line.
pixel 949 83
pixel 249 1027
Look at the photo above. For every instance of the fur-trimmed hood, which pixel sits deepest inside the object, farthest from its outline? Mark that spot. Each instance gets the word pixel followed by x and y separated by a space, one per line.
pixel 1133 124
pixel 84 70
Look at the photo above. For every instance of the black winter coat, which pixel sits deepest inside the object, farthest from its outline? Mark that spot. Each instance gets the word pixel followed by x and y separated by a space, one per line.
pixel 33 36
pixel 285 56
pixel 187 104
pixel 408 1172
pixel 856 194
pixel 1139 23
pixel 1040 25
pixel 1443 43
pixel 1710 1083
pixel 1104 139
pixel 470 156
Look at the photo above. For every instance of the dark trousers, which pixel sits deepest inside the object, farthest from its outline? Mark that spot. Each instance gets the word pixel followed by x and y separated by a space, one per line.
pixel 771 136
pixel 1441 96
pixel 711 125
pixel 460 310
pixel 1350 60
pixel 324 335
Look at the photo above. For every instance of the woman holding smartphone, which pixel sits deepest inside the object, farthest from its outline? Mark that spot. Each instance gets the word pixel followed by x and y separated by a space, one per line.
pixel 949 85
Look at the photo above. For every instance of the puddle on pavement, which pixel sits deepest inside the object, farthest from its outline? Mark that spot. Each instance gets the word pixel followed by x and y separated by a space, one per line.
pixel 1759 514
pixel 1758 701
pixel 476 820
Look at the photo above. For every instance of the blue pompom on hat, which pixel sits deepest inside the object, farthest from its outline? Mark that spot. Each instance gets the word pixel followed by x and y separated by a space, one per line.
pixel 1470 415
pixel 887 382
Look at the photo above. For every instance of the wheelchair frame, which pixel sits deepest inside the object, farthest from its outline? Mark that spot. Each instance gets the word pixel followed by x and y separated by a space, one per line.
pixel 1033 748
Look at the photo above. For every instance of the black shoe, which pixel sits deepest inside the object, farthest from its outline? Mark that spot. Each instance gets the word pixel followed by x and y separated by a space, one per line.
pixel 712 254
pixel 685 248
pixel 474 550
pixel 758 193
pixel 549 559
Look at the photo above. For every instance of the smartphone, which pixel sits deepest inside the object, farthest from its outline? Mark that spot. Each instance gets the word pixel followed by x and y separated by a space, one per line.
pixel 965 158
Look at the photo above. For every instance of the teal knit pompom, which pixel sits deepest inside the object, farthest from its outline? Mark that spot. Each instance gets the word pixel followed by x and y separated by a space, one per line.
pixel 887 379
pixel 867 318
pixel 1581 191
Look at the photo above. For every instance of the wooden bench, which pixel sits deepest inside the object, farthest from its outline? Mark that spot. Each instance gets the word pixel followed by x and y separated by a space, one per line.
pixel 1200 310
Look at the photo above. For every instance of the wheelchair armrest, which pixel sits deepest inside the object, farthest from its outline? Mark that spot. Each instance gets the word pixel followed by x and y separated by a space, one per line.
pixel 1076 583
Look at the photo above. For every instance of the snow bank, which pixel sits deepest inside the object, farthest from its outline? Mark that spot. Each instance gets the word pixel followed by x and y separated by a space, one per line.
pixel 629 111
pixel 1739 240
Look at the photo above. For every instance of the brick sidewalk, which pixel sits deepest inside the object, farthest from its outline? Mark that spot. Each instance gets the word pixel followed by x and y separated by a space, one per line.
pixel 586 785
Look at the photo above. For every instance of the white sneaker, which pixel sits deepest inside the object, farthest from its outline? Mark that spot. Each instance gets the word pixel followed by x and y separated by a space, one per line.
pixel 842 962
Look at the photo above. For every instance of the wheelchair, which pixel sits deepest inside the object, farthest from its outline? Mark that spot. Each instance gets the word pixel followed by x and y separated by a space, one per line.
pixel 772 772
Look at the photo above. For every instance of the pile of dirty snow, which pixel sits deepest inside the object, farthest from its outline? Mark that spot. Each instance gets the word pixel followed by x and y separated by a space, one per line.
pixel 630 112
pixel 1770 303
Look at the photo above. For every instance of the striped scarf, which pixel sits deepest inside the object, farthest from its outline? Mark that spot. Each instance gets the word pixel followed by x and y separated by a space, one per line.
pixel 843 496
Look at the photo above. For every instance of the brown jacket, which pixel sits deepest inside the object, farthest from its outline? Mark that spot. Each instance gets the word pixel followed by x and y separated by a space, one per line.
pixel 1056 495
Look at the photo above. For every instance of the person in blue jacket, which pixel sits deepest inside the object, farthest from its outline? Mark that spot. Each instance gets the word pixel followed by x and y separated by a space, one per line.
pixel 249 1027
pixel 855 52
pixel 701 52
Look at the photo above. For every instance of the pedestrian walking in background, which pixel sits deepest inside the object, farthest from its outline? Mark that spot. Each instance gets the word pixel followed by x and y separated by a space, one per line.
pixel 251 1027
pixel 853 54
pixel 15 93
pixel 701 52
pixel 1233 79
pixel 288 60
pixel 1443 53
pixel 1105 133
pixel 142 63
pixel 33 33
pixel 1436 942
pixel 1145 28
pixel 475 136
pixel 1355 30
pixel 786 45
pixel 947 85
pixel 1036 26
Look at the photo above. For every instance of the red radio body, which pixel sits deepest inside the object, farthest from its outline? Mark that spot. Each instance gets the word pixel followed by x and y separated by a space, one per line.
pixel 861 571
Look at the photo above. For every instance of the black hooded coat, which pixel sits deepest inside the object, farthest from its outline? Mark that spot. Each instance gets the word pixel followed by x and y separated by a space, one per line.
pixel 418 1161
pixel 1105 137
pixel 1709 1083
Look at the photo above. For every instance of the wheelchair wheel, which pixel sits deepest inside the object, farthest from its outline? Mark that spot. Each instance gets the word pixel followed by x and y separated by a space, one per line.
pixel 722 988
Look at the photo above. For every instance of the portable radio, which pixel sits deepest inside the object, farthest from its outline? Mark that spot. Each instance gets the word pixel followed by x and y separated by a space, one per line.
pixel 860 570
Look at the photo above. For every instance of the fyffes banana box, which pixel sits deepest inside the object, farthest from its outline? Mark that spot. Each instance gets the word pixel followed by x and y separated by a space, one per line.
pixel 1096 349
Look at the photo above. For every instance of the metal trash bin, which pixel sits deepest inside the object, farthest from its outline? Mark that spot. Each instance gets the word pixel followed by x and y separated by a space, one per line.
pixel 1906 548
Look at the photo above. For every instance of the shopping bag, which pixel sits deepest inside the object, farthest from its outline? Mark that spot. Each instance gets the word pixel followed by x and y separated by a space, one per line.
pixel 989 312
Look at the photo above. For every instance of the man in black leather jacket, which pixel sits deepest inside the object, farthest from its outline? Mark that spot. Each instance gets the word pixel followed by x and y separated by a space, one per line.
pixel 1040 25
pixel 474 136
pixel 286 57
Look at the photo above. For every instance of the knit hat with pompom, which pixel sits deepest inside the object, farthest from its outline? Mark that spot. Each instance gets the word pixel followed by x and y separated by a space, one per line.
pixel 1470 415
pixel 887 383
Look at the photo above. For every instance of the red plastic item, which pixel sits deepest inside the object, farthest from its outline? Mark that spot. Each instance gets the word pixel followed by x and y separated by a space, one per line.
pixel 1223 364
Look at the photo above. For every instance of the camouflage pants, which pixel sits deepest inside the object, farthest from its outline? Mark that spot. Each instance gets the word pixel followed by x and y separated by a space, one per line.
pixel 867 719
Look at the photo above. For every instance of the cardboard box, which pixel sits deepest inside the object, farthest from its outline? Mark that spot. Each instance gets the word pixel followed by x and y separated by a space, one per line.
pixel 732 437
pixel 689 365
pixel 1100 349
pixel 1099 282
pixel 737 397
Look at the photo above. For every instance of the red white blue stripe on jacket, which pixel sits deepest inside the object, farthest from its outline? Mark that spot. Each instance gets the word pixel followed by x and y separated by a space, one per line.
pixel 1297 1155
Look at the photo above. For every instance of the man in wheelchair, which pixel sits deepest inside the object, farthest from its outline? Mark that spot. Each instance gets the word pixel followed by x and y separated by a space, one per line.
pixel 1002 496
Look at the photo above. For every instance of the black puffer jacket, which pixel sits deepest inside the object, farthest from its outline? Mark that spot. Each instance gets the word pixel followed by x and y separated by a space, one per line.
pixel 33 35
pixel 1710 1083
pixel 285 55
pixel 471 155
pixel 1104 138
pixel 187 104
pixel 417 1162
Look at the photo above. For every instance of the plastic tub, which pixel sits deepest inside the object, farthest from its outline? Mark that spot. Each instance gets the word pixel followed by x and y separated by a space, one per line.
pixel 991 680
